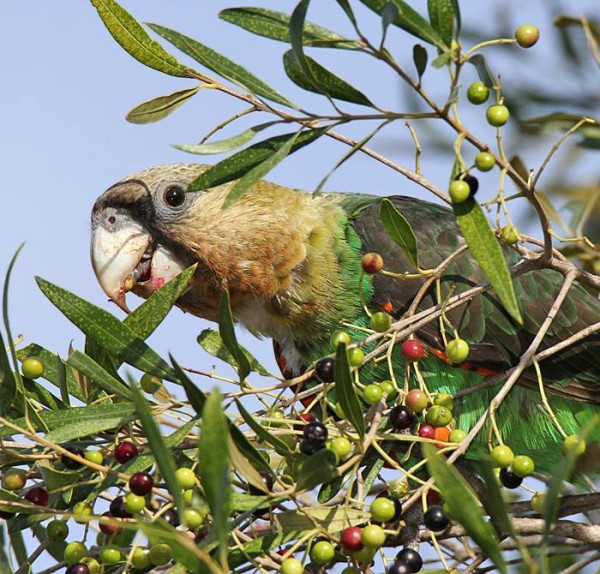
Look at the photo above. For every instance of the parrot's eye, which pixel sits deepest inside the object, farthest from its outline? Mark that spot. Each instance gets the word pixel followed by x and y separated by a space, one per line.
pixel 174 195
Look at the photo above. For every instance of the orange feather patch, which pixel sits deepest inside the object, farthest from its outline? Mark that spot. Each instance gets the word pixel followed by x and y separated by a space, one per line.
pixel 387 307
pixel 465 365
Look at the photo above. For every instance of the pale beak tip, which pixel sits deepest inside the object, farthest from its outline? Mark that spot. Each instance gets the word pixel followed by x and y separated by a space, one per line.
pixel 120 302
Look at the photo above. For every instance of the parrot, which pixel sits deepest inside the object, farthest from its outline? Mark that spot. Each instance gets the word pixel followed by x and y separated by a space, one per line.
pixel 291 262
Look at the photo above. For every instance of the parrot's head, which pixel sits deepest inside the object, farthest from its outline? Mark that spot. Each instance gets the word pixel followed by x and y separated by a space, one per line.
pixel 137 226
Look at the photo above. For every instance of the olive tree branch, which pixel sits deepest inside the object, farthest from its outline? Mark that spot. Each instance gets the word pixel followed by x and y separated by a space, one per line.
pixel 513 377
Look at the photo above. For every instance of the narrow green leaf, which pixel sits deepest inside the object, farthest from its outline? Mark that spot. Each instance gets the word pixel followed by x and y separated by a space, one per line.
pixel 318 468
pixel 345 6
pixel 262 433
pixel 568 43
pixel 156 442
pixel 176 437
pixel 245 467
pixel 276 25
pixel 116 337
pixel 388 15
pixel 128 32
pixel 195 396
pixel 566 21
pixel 563 121
pixel 88 367
pixel 442 16
pixel 420 59
pixel 158 108
pixel 78 430
pixel 453 97
pixel 483 70
pixel 561 473
pixel 8 393
pixel 331 489
pixel 8 386
pixel 487 251
pixel 37 391
pixel 149 315
pixel 442 60
pixel 214 469
pixel 331 519
pixel 322 81
pixel 101 356
pixel 463 505
pixel 8 496
pixel 95 414
pixel 345 391
pixel 62 380
pixel 212 343
pixel 186 552
pixel 5 560
pixel 410 21
pixel 296 30
pixel 221 65
pixel 226 144
pixel 492 498
pixel 370 474
pixel 227 333
pixel 258 172
pixel 248 502
pixel 519 166
pixel 457 18
pixel 238 164
pixel 399 229
pixel 246 448
pixel 57 479
pixel 17 545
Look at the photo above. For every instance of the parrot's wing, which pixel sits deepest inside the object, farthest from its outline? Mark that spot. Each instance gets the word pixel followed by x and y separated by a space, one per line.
pixel 496 341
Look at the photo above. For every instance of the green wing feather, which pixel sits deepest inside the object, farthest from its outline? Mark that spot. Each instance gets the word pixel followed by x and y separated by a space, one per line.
pixel 496 340
pixel 571 378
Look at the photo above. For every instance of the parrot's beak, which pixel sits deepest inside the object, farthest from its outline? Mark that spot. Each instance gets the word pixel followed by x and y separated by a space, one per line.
pixel 116 255
pixel 125 257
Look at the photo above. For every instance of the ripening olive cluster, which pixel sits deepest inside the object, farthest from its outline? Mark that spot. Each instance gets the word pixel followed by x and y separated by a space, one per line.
pixel 415 411
pixel 465 185
pixel 512 469
pixel 111 512
pixel 358 544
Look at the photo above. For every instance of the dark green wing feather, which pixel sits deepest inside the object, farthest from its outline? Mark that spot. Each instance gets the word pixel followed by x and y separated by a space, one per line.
pixel 496 340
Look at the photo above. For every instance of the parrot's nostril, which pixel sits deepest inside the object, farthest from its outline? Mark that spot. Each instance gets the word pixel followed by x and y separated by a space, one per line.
pixel 112 219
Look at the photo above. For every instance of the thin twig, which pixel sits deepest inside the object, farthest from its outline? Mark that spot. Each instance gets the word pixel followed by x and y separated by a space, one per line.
pixel 580 564
pixel 26 566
